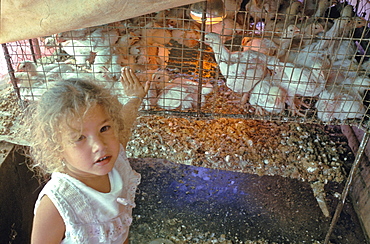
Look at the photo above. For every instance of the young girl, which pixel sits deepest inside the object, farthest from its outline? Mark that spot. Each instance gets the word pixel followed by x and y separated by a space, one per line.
pixel 78 133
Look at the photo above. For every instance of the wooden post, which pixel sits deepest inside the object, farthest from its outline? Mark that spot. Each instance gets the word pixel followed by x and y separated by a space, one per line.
pixel 354 168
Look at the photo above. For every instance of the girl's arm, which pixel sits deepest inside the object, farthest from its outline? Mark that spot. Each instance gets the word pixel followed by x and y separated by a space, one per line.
pixel 135 90
pixel 48 226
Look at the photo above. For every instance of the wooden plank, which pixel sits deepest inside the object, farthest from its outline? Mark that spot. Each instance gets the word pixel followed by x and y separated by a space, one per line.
pixel 365 216
pixel 5 149
pixel 19 188
pixel 359 134
pixel 360 189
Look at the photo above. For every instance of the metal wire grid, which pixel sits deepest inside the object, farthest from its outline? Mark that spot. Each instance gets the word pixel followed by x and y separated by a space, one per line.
pixel 169 48
pixel 191 77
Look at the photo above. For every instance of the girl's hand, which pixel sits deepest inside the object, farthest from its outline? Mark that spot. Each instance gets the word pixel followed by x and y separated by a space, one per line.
pixel 132 87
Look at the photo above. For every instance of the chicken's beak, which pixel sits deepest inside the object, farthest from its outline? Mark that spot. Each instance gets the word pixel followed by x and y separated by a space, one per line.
pixel 296 30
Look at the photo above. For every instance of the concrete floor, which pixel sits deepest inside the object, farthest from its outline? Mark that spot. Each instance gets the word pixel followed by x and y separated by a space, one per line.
pixel 187 202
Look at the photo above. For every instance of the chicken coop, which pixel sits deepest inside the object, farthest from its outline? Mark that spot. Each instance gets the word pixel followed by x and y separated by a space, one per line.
pixel 227 78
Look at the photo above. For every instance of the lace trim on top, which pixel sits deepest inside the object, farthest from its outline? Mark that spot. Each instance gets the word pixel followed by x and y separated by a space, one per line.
pixel 100 232
pixel 132 181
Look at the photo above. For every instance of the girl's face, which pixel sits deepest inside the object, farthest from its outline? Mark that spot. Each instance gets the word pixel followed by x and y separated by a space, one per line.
pixel 95 151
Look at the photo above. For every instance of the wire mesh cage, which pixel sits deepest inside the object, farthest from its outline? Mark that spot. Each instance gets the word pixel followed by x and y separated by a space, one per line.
pixel 273 60
pixel 285 61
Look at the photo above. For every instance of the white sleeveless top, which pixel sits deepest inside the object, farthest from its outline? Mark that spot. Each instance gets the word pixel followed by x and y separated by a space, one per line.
pixel 91 216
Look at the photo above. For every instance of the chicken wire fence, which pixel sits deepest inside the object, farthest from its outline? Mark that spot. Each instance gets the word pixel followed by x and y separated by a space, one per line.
pixel 270 60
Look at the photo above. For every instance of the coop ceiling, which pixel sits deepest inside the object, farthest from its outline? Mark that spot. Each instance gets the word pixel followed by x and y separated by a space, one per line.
pixel 25 19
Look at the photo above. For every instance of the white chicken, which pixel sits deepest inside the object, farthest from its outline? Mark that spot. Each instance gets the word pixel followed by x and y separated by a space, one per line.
pixel 58 71
pixel 112 60
pixel 242 70
pixel 310 32
pixel 357 83
pixel 330 42
pixel 104 51
pixel 298 81
pixel 284 18
pixel 302 55
pixel 49 42
pixel 331 50
pixel 60 68
pixel 46 72
pixel 98 44
pixel 259 44
pixel 27 74
pixel 182 93
pixel 103 38
pixel 285 40
pixel 122 48
pixel 79 50
pixel 267 97
pixel 311 59
pixel 159 79
pixel 339 104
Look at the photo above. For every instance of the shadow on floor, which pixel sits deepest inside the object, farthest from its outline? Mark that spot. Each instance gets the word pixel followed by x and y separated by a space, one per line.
pixel 181 202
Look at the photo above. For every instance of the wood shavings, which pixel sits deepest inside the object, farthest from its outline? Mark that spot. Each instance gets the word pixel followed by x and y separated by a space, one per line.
pixel 294 150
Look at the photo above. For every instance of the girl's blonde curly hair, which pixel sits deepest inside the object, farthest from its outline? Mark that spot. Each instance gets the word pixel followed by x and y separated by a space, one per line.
pixel 65 102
